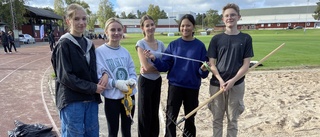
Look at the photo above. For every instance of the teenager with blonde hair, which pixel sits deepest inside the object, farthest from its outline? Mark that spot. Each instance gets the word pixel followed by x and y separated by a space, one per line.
pixel 77 88
pixel 115 61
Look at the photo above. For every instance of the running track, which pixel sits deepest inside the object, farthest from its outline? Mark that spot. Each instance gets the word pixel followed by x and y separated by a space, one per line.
pixel 24 88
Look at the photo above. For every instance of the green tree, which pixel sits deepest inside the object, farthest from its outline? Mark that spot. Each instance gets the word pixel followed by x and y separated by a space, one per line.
pixel 48 8
pixel 316 15
pixel 68 2
pixel 92 21
pixel 140 14
pixel 131 16
pixel 5 13
pixel 154 12
pixel 82 3
pixel 59 7
pixel 163 15
pixel 212 18
pixel 105 12
pixel 123 15
pixel 200 19
pixel 86 7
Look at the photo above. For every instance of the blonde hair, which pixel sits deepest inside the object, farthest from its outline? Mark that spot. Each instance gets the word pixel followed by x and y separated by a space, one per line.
pixel 71 10
pixel 231 6
pixel 111 20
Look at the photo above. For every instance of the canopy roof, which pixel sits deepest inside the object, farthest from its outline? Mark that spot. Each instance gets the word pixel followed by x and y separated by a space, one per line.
pixel 41 13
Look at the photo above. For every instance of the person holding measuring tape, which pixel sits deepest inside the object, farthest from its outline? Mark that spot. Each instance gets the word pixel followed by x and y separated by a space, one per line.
pixel 184 74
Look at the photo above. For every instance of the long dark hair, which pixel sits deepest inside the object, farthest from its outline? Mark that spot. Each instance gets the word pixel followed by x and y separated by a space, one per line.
pixel 189 17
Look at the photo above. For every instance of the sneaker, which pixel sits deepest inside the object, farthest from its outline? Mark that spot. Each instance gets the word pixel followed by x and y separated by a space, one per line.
pixel 10 52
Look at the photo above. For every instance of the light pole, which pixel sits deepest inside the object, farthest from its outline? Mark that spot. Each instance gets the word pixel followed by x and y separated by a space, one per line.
pixel 169 22
pixel 305 24
pixel 14 28
pixel 202 20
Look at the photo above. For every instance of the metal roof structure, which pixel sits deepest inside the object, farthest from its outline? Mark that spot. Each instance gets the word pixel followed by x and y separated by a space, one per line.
pixel 135 22
pixel 278 15
pixel 279 10
pixel 41 13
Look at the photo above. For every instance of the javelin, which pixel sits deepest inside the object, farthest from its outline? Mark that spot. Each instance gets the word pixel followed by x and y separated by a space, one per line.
pixel 221 90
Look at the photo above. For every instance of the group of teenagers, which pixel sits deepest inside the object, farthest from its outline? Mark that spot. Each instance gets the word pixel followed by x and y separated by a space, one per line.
pixel 84 73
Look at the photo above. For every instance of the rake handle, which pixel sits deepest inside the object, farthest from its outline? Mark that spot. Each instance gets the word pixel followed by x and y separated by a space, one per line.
pixel 266 57
pixel 200 106
pixel 221 90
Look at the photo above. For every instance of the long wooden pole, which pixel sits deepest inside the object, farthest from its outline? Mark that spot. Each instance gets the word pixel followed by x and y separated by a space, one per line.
pixel 221 90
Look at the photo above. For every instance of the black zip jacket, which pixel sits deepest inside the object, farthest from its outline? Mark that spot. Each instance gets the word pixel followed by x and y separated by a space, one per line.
pixel 76 72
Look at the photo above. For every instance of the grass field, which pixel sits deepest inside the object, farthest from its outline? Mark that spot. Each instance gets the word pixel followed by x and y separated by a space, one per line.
pixel 302 48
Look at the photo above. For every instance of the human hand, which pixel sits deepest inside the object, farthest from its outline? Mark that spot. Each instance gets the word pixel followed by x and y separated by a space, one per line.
pixel 142 70
pixel 205 66
pixel 131 82
pixel 100 88
pixel 228 85
pixel 104 80
pixel 122 85
pixel 221 83
pixel 149 55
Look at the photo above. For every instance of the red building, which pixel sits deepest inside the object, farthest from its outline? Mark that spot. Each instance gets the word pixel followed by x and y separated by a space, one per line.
pixel 40 22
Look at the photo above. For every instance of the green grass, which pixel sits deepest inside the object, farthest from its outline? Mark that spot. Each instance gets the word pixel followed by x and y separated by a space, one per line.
pixel 302 48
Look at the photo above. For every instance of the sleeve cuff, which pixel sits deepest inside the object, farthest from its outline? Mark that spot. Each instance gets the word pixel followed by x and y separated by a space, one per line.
pixel 113 83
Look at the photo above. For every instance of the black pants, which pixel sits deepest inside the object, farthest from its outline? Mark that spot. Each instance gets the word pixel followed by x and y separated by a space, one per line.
pixel 113 110
pixel 52 45
pixel 177 96
pixel 6 47
pixel 12 45
pixel 148 106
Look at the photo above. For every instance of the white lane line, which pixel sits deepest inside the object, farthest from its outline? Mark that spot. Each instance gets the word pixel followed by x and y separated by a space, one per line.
pixel 16 60
pixel 45 104
pixel 19 68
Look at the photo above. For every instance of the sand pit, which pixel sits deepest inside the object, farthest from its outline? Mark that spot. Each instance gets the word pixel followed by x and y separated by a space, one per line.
pixel 278 103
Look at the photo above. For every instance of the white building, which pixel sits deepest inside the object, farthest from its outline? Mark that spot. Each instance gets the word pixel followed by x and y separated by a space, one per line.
pixel 163 26
pixel 277 18
pixel 169 25
pixel 178 15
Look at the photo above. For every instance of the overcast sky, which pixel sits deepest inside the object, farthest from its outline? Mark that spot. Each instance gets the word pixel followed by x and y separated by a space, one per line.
pixel 198 6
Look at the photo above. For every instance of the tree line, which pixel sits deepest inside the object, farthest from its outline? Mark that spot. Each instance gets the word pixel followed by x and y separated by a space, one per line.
pixel 106 11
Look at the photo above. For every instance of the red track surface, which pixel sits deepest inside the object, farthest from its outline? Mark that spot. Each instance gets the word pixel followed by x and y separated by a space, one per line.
pixel 25 87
